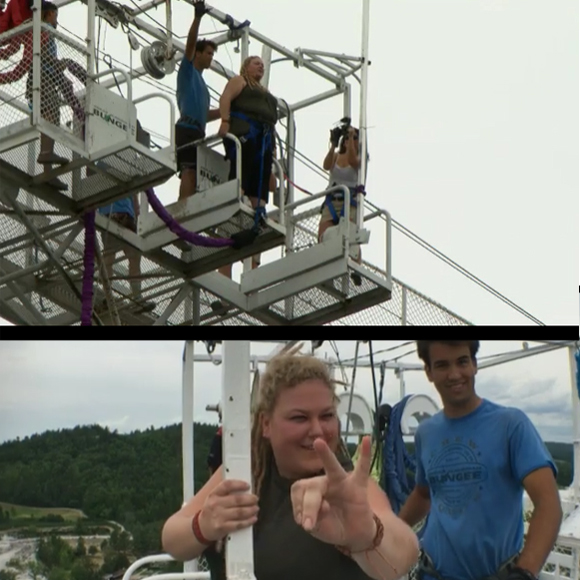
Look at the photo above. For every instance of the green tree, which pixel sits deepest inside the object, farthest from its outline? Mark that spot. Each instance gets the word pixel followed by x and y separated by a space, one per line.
pixel 36 570
pixel 54 552
pixel 120 541
pixel 564 473
pixel 15 563
pixel 80 527
pixel 58 573
pixel 81 549
pixel 114 561
pixel 7 575
pixel 93 550
pixel 84 569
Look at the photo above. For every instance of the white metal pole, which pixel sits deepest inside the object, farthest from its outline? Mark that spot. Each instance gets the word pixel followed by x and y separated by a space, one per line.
pixel 187 420
pixel 245 44
pixel 236 425
pixel 187 433
pixel 346 101
pixel 401 384
pixel 267 58
pixel 91 37
pixel 90 73
pixel 349 409
pixel 169 47
pixel 575 421
pixel 363 111
pixel 36 30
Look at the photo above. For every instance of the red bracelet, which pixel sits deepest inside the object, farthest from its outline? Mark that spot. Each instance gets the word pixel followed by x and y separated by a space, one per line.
pixel 197 530
pixel 375 543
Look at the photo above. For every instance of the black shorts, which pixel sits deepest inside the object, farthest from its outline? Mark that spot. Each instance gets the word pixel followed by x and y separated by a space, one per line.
pixel 254 184
pixel 186 156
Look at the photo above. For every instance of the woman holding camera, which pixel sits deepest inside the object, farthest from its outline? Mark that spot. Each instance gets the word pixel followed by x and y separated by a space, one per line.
pixel 343 166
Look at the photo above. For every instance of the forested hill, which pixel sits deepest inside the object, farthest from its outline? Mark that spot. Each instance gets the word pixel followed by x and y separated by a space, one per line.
pixel 134 478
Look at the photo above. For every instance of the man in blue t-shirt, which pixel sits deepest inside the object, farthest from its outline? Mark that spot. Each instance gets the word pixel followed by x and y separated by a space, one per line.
pixel 474 459
pixel 124 212
pixel 193 102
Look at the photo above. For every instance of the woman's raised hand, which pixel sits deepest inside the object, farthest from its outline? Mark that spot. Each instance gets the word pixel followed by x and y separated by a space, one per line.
pixel 334 507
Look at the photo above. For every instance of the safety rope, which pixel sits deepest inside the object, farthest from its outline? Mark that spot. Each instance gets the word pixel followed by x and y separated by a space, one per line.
pixel 235 241
pixel 89 269
pixel 397 461
pixel 179 230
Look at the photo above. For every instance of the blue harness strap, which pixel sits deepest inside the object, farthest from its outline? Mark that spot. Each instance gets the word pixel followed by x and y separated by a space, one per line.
pixel 354 191
pixel 256 129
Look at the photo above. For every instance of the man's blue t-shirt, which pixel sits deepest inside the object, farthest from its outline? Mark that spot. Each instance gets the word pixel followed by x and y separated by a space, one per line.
pixel 474 467
pixel 192 94
pixel 124 205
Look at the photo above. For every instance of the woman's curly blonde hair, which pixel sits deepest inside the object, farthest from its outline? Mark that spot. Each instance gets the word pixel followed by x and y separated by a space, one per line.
pixel 282 372
pixel 253 83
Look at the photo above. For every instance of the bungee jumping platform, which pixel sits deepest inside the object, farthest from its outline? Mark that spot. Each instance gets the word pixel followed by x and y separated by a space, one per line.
pixel 52 236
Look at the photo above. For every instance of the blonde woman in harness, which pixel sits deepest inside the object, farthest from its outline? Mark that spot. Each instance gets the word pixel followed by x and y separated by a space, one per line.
pixel 250 112
pixel 474 459
pixel 314 514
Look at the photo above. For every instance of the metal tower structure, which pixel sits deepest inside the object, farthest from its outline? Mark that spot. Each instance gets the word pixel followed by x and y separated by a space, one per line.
pixel 42 221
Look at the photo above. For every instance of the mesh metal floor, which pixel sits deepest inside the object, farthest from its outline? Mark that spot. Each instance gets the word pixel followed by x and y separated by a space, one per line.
pixel 45 296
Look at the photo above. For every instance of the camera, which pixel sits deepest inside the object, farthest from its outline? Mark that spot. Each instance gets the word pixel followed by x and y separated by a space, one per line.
pixel 340 131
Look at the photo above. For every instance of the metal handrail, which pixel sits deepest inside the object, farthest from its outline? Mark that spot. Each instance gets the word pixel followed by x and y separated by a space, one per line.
pixel 163 558
pixel 144 203
pixel 281 192
pixel 171 110
pixel 108 71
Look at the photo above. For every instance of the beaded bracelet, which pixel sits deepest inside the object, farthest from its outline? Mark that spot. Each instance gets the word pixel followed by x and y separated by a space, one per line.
pixel 375 543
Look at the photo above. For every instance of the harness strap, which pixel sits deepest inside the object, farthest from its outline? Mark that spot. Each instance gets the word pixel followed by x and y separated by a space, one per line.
pixel 328 202
pixel 426 566
pixel 256 128
pixel 354 191
pixel 186 121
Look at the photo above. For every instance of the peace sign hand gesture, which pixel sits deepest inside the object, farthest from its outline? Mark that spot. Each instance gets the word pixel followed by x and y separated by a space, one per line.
pixel 334 507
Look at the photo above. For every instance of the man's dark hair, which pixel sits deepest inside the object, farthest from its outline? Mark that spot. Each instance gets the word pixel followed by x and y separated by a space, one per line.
pixel 201 45
pixel 423 348
pixel 49 7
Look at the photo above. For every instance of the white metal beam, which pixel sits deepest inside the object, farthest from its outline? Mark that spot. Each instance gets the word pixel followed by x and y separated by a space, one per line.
pixel 187 434
pixel 187 389
pixel 410 366
pixel 237 427
pixel 289 268
pixel 316 99
pixel 576 420
pixel 219 285
pixel 179 297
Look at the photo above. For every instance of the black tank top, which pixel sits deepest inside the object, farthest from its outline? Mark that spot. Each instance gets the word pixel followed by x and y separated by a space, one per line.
pixel 257 104
pixel 282 549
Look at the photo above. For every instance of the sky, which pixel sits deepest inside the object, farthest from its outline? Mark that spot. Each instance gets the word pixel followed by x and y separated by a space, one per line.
pixel 134 385
pixel 472 134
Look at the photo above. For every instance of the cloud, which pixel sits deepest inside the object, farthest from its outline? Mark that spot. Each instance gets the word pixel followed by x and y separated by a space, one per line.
pixel 115 423
pixel 133 385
